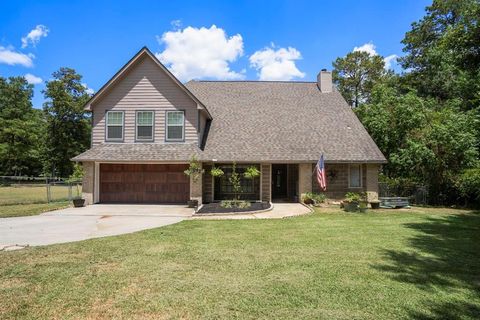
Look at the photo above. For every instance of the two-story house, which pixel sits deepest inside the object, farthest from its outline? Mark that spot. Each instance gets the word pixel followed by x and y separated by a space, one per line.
pixel 147 125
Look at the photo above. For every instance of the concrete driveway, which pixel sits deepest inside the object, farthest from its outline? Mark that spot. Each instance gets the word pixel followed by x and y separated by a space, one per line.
pixel 75 224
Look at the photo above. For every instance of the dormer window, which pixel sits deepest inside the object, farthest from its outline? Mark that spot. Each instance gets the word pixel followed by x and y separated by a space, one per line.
pixel 175 126
pixel 114 126
pixel 144 125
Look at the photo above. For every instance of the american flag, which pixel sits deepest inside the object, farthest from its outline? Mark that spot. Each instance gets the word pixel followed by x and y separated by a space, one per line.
pixel 320 170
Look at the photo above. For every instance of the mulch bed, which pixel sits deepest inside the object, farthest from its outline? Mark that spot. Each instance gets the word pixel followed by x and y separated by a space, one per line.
pixel 216 208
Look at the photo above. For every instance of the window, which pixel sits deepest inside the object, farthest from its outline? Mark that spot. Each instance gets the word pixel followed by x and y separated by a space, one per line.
pixel 355 176
pixel 223 188
pixel 145 125
pixel 115 125
pixel 175 126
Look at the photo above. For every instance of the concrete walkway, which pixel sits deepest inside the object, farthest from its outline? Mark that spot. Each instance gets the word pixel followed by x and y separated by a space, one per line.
pixel 75 224
pixel 280 210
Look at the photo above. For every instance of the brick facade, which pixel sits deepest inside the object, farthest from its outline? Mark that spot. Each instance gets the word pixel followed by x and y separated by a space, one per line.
pixel 196 189
pixel 266 175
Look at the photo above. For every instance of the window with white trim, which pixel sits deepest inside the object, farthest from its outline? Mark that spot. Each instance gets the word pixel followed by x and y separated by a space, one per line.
pixel 114 126
pixel 175 126
pixel 144 126
pixel 355 176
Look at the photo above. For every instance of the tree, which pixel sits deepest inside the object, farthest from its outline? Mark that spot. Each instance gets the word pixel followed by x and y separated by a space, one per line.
pixel 442 53
pixel 356 74
pixel 20 128
pixel 421 141
pixel 68 125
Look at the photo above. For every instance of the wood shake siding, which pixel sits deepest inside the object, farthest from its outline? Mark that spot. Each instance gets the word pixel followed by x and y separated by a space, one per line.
pixel 145 87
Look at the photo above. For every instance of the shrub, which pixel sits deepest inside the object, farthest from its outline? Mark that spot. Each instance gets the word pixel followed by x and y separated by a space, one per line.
pixel 243 204
pixel 226 204
pixel 469 186
pixel 354 197
pixel 313 198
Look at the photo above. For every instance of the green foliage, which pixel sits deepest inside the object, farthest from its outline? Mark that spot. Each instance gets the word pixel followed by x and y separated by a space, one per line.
pixel 241 204
pixel 442 52
pixel 313 198
pixel 234 179
pixel 251 172
pixel 356 74
pixel 21 129
pixel 68 125
pixel 355 197
pixel 216 172
pixel 469 186
pixel 194 170
pixel 77 174
pixel 226 204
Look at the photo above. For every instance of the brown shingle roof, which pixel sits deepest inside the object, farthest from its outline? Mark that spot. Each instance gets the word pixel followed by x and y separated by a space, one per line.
pixel 139 152
pixel 281 121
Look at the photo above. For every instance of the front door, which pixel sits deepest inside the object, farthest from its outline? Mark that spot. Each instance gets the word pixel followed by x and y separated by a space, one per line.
pixel 279 181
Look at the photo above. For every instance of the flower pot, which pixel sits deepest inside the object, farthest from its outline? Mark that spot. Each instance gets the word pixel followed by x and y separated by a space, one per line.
pixel 78 203
pixel 192 203
pixel 351 206
pixel 363 207
pixel 375 204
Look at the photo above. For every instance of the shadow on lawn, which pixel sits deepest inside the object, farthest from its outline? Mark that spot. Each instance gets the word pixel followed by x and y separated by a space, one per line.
pixel 443 255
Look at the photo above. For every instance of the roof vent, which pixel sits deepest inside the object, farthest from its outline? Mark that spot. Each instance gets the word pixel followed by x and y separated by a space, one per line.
pixel 324 81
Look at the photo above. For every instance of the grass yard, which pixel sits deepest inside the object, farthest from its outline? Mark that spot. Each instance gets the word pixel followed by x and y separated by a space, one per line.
pixel 33 194
pixel 414 264
pixel 20 210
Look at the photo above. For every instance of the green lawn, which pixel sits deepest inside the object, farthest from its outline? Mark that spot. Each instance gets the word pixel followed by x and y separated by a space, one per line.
pixel 19 210
pixel 33 194
pixel 392 264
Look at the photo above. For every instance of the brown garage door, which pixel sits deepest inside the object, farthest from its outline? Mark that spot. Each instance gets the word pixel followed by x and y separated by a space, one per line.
pixel 144 183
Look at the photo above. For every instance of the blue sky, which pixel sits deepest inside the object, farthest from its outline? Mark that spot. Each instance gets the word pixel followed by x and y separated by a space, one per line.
pixel 270 40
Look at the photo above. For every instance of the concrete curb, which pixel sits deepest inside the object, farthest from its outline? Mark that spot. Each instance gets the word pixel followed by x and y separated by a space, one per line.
pixel 221 214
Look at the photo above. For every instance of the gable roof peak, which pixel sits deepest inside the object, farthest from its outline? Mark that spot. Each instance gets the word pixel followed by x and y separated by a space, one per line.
pixel 143 51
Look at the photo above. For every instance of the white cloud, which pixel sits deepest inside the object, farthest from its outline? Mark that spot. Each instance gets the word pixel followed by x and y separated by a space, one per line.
pixel 201 53
pixel 370 48
pixel 34 36
pixel 389 60
pixel 11 57
pixel 33 79
pixel 88 90
pixel 276 64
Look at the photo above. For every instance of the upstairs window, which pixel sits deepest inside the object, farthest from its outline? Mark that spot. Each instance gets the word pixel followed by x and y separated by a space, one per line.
pixel 175 126
pixel 355 176
pixel 144 127
pixel 114 126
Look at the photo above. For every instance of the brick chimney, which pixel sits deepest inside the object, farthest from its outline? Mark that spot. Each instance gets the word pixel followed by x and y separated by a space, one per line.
pixel 324 81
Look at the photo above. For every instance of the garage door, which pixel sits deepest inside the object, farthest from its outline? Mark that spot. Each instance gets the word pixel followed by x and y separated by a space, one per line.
pixel 144 183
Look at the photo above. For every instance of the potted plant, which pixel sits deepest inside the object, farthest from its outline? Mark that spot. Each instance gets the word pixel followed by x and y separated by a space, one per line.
pixel 352 201
pixel 192 203
pixel 194 171
pixel 75 177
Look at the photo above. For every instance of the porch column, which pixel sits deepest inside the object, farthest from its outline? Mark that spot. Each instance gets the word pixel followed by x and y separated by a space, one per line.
pixel 88 181
pixel 304 178
pixel 372 181
pixel 196 188
pixel 266 183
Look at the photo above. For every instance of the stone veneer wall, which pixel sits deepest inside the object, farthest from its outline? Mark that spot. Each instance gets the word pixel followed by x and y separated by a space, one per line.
pixel 304 178
pixel 88 182
pixel 196 189
pixel 266 181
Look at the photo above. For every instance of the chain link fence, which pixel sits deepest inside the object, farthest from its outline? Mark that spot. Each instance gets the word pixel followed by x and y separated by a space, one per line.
pixel 28 190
